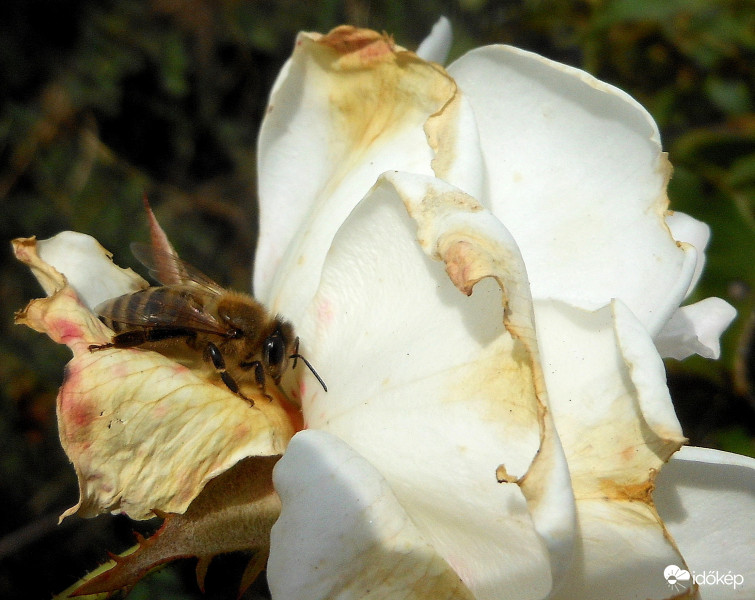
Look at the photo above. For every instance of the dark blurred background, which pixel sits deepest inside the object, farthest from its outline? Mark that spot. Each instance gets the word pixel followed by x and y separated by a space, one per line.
pixel 101 101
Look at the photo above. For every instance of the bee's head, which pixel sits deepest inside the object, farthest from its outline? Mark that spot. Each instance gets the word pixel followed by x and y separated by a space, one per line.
pixel 277 348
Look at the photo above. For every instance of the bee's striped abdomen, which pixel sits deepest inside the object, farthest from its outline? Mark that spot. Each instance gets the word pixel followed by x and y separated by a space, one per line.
pixel 145 308
pixel 166 307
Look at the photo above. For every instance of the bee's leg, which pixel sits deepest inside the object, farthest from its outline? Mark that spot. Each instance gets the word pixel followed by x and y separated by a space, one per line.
pixel 213 354
pixel 137 337
pixel 259 376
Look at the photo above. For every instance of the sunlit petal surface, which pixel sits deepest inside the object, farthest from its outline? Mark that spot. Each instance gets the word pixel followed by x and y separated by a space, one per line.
pixel 89 268
pixel 362 543
pixel 347 107
pixel 450 395
pixel 617 425
pixel 706 498
pixel 693 232
pixel 576 173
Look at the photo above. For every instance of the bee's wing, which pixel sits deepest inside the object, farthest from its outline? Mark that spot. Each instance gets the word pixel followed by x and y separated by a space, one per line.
pixel 168 269
pixel 180 307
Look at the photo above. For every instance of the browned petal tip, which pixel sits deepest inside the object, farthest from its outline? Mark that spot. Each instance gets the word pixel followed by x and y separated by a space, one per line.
pixel 23 248
pixel 364 46
pixel 502 476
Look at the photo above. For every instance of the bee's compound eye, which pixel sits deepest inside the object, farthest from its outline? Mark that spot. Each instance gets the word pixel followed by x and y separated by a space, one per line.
pixel 274 350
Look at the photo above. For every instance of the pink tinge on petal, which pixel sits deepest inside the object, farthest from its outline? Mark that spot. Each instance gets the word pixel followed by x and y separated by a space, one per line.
pixel 144 432
pixel 147 434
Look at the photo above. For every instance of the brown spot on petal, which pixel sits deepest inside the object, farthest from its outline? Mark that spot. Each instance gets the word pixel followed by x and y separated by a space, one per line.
pixel 358 47
pixel 25 249
pixel 458 266
pixel 638 492
pixel 375 91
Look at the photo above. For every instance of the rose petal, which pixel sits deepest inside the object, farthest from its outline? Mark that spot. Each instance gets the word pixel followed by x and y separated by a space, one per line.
pixel 450 383
pixel 617 427
pixel 696 329
pixel 435 46
pixel 647 372
pixel 621 553
pixel 349 106
pixel 362 542
pixel 693 232
pixel 144 433
pixel 89 268
pixel 475 246
pixel 577 175
pixel 707 500
pixel 607 396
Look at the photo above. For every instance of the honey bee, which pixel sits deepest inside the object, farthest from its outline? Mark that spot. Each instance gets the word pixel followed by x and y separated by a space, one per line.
pixel 229 330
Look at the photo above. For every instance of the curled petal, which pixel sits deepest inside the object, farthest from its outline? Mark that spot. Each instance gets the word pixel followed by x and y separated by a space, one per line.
pixel 362 543
pixel 50 315
pixel 450 383
pixel 696 329
pixel 89 268
pixel 144 433
pixel 693 232
pixel 707 500
pixel 617 427
pixel 347 107
pixel 647 373
pixel 606 394
pixel 474 246
pixel 576 173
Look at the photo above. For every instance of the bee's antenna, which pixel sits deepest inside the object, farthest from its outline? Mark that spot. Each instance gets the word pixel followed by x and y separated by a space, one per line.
pixel 311 368
pixel 296 356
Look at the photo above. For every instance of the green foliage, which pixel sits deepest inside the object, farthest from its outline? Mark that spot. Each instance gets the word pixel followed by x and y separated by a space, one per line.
pixel 102 101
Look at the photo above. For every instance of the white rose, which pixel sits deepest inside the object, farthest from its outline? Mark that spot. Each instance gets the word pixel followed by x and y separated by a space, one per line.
pixel 503 443
pixel 375 168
